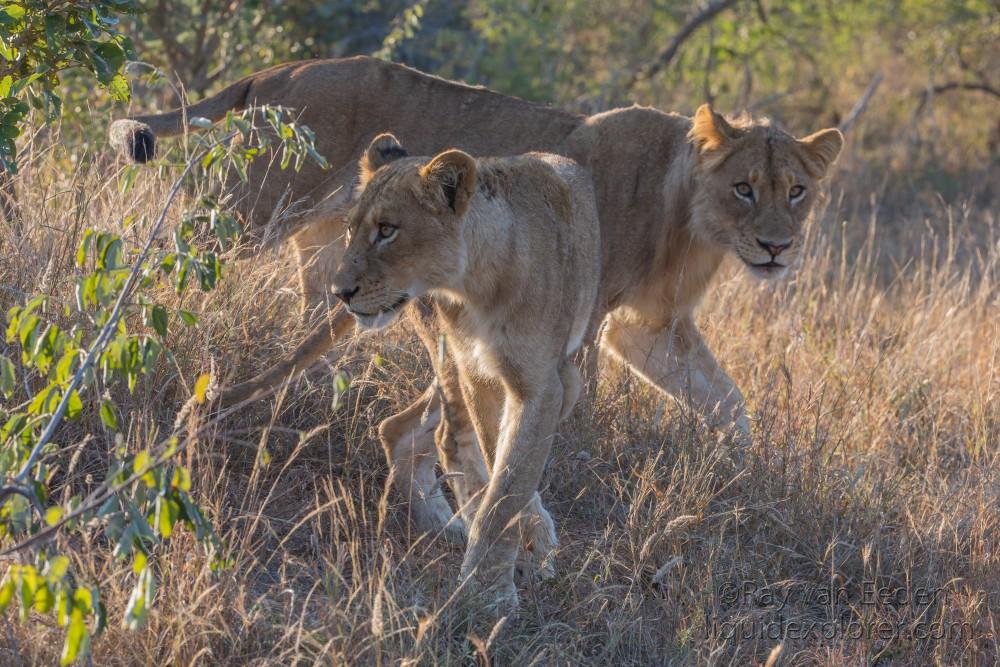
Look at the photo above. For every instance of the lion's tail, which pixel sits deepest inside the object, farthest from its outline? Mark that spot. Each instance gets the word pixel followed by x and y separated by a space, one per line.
pixel 317 343
pixel 135 138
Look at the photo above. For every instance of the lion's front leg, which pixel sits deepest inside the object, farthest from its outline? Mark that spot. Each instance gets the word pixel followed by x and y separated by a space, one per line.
pixel 676 360
pixel 318 249
pixel 523 445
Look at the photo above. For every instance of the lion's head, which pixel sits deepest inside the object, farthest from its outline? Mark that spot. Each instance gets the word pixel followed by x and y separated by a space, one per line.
pixel 404 234
pixel 756 187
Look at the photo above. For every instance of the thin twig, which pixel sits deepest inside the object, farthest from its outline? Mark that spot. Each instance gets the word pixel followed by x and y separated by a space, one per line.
pixel 926 96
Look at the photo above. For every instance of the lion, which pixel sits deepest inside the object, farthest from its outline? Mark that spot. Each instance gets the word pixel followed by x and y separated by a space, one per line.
pixel 674 195
pixel 508 252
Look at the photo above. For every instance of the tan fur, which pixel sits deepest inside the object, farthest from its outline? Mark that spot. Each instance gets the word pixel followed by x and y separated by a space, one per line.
pixel 509 251
pixel 665 198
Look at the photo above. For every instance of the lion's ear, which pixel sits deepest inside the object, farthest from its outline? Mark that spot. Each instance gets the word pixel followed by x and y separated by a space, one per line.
pixel 709 130
pixel 822 148
pixel 383 149
pixel 449 180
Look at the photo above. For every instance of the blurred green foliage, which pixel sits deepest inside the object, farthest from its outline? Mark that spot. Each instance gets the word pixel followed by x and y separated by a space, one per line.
pixel 41 38
pixel 803 62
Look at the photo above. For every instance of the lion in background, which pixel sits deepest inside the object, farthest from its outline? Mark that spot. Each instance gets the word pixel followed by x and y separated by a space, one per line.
pixel 674 196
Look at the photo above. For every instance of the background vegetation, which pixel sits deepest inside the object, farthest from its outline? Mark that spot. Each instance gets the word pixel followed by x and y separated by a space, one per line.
pixel 873 374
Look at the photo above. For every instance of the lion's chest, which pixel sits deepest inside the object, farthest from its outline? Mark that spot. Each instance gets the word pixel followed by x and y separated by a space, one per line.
pixel 478 342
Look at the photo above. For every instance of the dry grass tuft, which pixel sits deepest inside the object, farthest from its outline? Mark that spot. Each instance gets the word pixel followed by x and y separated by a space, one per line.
pixel 873 375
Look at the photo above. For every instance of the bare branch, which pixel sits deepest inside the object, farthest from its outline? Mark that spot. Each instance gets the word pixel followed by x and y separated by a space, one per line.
pixel 959 85
pixel 861 104
pixel 926 96
pixel 704 15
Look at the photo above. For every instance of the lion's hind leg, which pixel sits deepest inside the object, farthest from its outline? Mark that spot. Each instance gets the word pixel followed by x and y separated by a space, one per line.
pixel 572 382
pixel 408 440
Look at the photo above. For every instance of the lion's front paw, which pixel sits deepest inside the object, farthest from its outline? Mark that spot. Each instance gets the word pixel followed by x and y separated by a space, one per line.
pixel 741 435
pixel 434 516
pixel 539 543
pixel 489 590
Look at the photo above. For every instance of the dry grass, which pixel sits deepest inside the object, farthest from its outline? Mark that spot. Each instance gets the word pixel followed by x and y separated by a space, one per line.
pixel 874 376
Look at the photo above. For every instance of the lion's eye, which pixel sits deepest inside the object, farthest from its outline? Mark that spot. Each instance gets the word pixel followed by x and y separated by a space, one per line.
pixel 386 232
pixel 744 190
pixel 796 192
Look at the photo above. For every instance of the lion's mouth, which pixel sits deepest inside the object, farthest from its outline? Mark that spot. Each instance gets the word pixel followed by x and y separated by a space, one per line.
pixel 403 300
pixel 767 270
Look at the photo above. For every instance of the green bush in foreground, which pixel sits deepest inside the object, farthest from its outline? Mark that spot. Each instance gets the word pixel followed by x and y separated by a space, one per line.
pixel 117 332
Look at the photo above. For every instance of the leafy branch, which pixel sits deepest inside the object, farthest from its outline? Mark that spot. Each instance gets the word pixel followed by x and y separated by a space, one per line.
pixel 41 38
pixel 144 493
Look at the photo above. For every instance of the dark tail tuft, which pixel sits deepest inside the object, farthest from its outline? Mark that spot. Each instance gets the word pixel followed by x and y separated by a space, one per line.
pixel 143 146
pixel 133 140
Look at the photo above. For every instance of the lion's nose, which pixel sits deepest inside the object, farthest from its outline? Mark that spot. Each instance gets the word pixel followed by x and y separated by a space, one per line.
pixel 775 248
pixel 345 293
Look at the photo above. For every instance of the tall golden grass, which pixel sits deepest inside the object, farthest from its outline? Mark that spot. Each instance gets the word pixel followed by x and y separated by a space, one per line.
pixel 873 375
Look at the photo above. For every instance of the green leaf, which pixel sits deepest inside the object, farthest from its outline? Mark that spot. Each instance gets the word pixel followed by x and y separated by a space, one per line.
pixel 74 406
pixel 53 514
pixel 8 379
pixel 53 105
pixel 189 318
pixel 108 416
pixel 45 401
pixel 119 88
pixel 182 273
pixel 44 599
pixel 27 585
pixel 139 601
pixel 83 599
pixel 126 541
pixel 23 83
pixel 14 11
pixel 182 479
pixel 158 319
pixel 81 251
pixel 128 178
pixel 76 638
pixel 109 506
pixel 201 386
pixel 112 54
pixel 57 567
pixel 166 515
pixel 171 447
pixel 100 612
pixel 140 464
pixel 6 592
pixel 64 369
pixel 63 607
